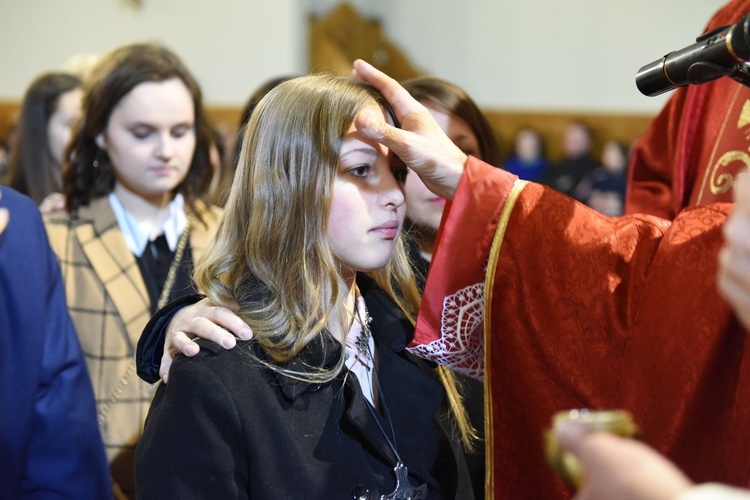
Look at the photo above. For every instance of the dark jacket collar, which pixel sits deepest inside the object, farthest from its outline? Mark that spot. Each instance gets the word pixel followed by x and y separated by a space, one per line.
pixel 391 330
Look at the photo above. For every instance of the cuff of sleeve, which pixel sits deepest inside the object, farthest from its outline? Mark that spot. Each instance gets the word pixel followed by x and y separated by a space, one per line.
pixel 150 347
pixel 714 491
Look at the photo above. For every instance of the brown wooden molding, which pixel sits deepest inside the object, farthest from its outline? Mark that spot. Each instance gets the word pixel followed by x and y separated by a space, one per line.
pixel 625 128
pixel 8 116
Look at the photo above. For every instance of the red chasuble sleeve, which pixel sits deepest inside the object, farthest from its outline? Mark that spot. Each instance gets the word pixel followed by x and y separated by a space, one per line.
pixel 561 307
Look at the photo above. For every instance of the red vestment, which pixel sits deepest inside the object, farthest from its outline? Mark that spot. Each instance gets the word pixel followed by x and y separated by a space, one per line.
pixel 697 144
pixel 561 307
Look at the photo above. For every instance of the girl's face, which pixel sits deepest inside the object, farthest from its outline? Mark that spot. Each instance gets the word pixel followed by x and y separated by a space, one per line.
pixel 423 207
pixel 150 138
pixel 61 123
pixel 367 204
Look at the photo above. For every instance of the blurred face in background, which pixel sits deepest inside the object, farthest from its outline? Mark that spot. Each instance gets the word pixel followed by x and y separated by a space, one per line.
pixel 576 140
pixel 528 145
pixel 61 123
pixel 614 157
pixel 424 208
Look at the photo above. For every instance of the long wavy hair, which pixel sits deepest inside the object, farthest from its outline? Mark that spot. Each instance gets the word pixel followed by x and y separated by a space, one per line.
pixel 452 98
pixel 112 78
pixel 271 260
pixel 32 169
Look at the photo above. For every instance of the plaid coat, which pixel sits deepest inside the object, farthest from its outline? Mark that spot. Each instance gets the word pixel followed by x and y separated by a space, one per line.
pixel 110 306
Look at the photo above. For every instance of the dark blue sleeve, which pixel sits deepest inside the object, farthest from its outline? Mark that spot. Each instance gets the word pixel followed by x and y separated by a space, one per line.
pixel 47 398
pixel 150 347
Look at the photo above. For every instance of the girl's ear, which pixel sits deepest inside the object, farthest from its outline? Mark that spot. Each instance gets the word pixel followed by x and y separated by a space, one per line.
pixel 101 142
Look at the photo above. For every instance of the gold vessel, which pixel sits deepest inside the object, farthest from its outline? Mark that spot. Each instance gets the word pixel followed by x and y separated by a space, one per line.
pixel 618 422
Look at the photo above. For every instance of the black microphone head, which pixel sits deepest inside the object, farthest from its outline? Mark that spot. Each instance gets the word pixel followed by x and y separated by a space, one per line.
pixel 651 79
pixel 740 39
pixel 715 54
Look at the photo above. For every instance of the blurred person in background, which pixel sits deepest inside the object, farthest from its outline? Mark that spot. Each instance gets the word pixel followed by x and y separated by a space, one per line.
pixel 528 160
pixel 50 108
pixel 134 220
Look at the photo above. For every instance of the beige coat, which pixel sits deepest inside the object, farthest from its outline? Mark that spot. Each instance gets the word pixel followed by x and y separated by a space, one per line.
pixel 109 304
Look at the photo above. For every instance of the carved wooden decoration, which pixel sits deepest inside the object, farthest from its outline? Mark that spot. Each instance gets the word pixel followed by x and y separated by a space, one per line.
pixel 344 35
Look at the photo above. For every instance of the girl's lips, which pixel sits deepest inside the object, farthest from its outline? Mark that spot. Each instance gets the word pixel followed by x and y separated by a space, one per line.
pixel 162 169
pixel 387 230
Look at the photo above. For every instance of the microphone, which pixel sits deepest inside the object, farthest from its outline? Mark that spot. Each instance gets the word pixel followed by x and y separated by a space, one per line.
pixel 724 51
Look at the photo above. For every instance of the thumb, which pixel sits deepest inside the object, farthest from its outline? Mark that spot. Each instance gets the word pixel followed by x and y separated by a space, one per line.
pixel 372 125
pixel 570 435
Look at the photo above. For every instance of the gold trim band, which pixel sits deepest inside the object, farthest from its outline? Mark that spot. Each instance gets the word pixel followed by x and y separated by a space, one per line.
pixel 728 42
pixel 664 69
pixel 489 280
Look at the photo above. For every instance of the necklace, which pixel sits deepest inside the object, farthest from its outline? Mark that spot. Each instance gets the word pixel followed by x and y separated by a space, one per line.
pixel 404 489
pixel 358 338
pixel 163 299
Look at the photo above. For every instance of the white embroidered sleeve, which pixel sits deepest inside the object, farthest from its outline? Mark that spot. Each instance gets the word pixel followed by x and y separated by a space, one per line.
pixel 460 346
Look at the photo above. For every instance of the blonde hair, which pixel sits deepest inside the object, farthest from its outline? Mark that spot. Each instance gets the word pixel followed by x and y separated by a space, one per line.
pixel 271 260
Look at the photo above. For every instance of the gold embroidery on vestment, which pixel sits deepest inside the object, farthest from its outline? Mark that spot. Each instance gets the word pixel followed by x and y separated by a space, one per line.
pixel 721 183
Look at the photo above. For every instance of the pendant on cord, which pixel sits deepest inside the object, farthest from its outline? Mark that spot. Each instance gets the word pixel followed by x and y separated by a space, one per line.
pixel 404 489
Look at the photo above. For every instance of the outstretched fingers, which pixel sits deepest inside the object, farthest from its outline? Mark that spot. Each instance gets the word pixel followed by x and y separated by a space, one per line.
pixel 403 103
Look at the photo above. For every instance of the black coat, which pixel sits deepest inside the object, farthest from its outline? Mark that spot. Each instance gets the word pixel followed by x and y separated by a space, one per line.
pixel 227 427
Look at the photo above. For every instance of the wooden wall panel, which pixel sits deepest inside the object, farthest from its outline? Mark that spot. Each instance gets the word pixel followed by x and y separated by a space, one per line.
pixel 8 116
pixel 623 127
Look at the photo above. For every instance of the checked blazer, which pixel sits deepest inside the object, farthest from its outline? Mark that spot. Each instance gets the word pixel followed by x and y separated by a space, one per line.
pixel 109 304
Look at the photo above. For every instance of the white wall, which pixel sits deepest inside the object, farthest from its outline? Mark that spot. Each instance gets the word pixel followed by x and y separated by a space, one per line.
pixel 548 54
pixel 541 54
pixel 231 46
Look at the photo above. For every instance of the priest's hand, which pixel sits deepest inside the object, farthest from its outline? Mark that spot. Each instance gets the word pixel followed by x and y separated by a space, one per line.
pixel 420 142
pixel 201 320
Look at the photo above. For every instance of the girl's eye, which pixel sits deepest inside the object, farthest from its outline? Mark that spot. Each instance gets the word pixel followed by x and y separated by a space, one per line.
pixel 360 171
pixel 180 131
pixel 140 132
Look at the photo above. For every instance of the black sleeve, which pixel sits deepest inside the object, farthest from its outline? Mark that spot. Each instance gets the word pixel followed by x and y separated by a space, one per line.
pixel 150 347
pixel 193 445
